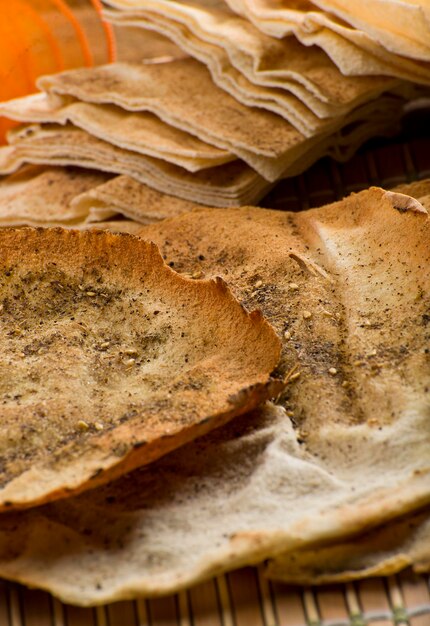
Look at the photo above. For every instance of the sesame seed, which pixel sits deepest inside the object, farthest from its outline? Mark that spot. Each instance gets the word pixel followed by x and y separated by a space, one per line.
pixel 258 284
pixel 332 371
pixel 129 361
pixel 197 274
pixel 91 294
pixel 130 351
pixel 98 426
pixel 105 345
pixel 82 425
pixel 287 334
pixel 307 315
pixel 295 376
pixel 293 286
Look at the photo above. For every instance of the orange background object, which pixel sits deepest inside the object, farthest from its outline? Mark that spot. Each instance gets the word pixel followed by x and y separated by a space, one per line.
pixel 46 36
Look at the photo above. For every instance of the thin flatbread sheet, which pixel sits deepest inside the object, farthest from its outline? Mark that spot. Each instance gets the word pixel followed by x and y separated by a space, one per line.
pixel 42 196
pixel 134 200
pixel 419 189
pixel 140 132
pixel 260 58
pixel 265 141
pixel 226 185
pixel 110 360
pixel 133 45
pixel 115 226
pixel 298 106
pixel 346 449
pixel 211 114
pixel 351 49
pixel 402 26
pixel 382 551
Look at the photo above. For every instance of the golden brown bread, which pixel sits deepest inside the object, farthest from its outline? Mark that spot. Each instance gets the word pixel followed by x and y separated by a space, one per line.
pixel 382 551
pixel 109 360
pixel 346 450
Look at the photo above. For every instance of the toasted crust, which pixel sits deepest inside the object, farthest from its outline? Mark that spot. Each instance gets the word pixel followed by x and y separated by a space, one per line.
pixel 110 360
pixel 225 185
pixel 42 196
pixel 380 552
pixel 134 200
pixel 333 461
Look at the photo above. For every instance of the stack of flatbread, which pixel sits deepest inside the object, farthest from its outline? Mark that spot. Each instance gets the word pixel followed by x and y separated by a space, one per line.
pixel 328 481
pixel 205 388
pixel 230 109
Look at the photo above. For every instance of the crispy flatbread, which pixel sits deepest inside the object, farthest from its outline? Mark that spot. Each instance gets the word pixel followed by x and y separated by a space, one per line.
pixel 136 201
pixel 260 58
pixel 297 105
pixel 258 137
pixel 266 142
pixel 351 49
pixel 132 199
pixel 419 189
pixel 42 196
pixel 347 450
pixel 382 551
pixel 115 226
pixel 230 184
pixel 140 132
pixel 134 45
pixel 110 360
pixel 401 26
pixel 226 185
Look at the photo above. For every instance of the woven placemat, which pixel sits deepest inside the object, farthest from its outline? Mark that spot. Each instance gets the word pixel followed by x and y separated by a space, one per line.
pixel 245 597
pixel 242 598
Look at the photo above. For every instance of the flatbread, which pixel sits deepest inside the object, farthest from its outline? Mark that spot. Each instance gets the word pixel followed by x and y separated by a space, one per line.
pixel 134 45
pixel 297 105
pixel 419 189
pixel 263 140
pixel 346 450
pixel 134 200
pixel 140 132
pixel 111 360
pixel 262 59
pixel 402 27
pixel 42 196
pixel 383 551
pixel 212 114
pixel 351 49
pixel 226 185
pixel 115 226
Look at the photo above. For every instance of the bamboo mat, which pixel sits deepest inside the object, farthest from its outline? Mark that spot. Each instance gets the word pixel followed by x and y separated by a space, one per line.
pixel 244 597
